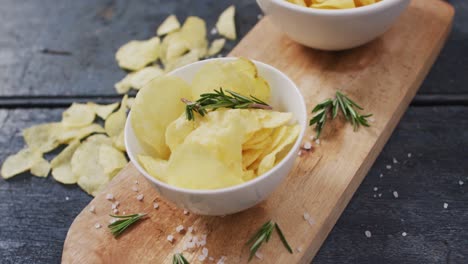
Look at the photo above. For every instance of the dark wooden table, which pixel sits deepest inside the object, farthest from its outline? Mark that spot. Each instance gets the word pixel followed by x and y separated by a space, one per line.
pixel 35 87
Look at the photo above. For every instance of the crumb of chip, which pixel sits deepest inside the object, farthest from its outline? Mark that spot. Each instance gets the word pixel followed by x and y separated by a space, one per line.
pixel 368 233
pixel 186 212
pixel 134 188
pixel 110 196
pixel 179 228
pixel 376 189
pixel 92 209
pixel 97 226
pixel 388 167
pixel 170 238
pixel 140 197
pixel 307 145
pixel 155 205
pixel 395 161
pixel 258 255
pixel 395 194
pixel 404 234
pixel 409 155
pixel 445 205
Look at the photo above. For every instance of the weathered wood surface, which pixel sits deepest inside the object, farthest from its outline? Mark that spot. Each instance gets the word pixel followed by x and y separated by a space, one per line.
pixel 36 215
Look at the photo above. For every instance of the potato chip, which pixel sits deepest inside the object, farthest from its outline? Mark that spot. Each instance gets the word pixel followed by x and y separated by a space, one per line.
pixel 40 168
pixel 124 85
pixel 103 111
pixel 66 135
pixel 194 33
pixel 61 165
pixel 78 115
pixel 173 46
pixel 159 98
pixel 43 137
pixel 335 4
pixel 364 2
pixel 135 55
pixel 258 145
pixel 272 119
pixel 170 24
pixel 178 130
pixel 111 159
pixel 143 76
pixel 245 66
pixel 269 160
pixel 85 164
pixel 216 46
pixel 226 25
pixel 130 102
pixel 155 167
pixel 258 136
pixel 19 162
pixel 188 58
pixel 298 2
pixel 250 156
pixel 115 124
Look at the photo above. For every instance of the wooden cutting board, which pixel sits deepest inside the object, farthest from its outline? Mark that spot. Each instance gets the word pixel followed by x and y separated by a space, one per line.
pixel 383 76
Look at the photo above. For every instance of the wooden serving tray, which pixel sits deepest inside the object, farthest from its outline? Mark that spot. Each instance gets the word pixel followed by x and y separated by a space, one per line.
pixel 383 76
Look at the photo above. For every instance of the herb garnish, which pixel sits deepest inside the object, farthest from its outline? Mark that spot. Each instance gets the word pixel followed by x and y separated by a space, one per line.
pixel 179 259
pixel 220 99
pixel 263 235
pixel 340 102
pixel 119 226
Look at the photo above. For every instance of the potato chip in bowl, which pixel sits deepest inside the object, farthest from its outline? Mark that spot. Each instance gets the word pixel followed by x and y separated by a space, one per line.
pixel 217 136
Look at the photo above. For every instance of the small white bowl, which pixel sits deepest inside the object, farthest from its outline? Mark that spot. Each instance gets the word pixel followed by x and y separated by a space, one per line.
pixel 333 29
pixel 285 97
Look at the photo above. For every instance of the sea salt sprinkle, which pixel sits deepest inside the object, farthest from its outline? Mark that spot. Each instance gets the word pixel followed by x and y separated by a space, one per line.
pixel 368 233
pixel 395 194
pixel 221 260
pixel 460 182
pixel 110 196
pixel 113 220
pixel 97 226
pixel 307 145
pixel 258 255
pixel 317 141
pixel 380 195
pixel 299 249
pixel 155 205
pixel 170 238
pixel 308 218
pixel 395 161
pixel 409 155
pixel 179 228
pixel 92 209
pixel 134 188
pixel 136 182
pixel 376 189
pixel 299 153
pixel 403 234
pixel 388 167
pixel 186 212
pixel 445 205
pixel 115 211
pixel 140 197
pixel 190 229
pixel 115 205
pixel 259 16
pixel 213 31
pixel 67 198
pixel 381 175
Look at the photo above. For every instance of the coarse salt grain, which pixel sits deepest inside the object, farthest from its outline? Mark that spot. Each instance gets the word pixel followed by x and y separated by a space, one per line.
pixel 211 258
pixel 115 205
pixel 259 16
pixel 380 195
pixel 312 137
pixel 375 195
pixel 317 141
pixel 409 155
pixel 299 249
pixel 92 209
pixel 179 228
pixel 190 229
pixel 307 145
pixel 221 260
pixel 140 197
pixel 134 188
pixel 205 251
pixel 213 31
pixel 308 218
pixel 136 182
pixel 381 175
pixel 155 205
pixel 170 238
pixel 376 189
pixel 201 257
pixel 460 182
pixel 258 255
pixel 445 205
pixel 299 153
pixel 368 233
pixel 110 196
pixel 395 194
pixel 113 220
pixel 371 119
pixel 388 167
pixel 186 212
pixel 97 226
pixel 115 211
pixel 395 161
pixel 67 198
pixel 403 234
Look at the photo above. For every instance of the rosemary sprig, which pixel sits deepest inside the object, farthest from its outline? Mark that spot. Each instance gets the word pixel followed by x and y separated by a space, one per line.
pixel 179 259
pixel 119 226
pixel 263 235
pixel 340 103
pixel 221 99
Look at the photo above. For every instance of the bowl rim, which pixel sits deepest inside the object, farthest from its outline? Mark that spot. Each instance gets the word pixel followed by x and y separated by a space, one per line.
pixel 379 6
pixel 243 185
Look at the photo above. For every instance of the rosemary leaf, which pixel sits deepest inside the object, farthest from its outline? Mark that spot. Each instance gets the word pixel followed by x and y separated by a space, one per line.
pixel 119 226
pixel 179 259
pixel 263 235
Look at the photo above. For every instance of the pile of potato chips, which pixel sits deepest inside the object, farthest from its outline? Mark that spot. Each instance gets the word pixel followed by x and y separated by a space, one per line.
pixel 173 47
pixel 226 147
pixel 91 154
pixel 333 4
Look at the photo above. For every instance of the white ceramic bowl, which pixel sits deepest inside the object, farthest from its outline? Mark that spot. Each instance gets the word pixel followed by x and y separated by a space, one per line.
pixel 336 29
pixel 285 97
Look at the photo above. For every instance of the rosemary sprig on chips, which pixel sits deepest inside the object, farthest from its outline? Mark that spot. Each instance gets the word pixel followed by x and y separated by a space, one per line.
pixel 340 102
pixel 221 99
pixel 263 235
pixel 179 259
pixel 119 226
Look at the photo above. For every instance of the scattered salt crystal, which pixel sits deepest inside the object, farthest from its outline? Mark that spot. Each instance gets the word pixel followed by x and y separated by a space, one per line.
pixel 460 182
pixel 136 182
pixel 395 161
pixel 307 145
pixel 445 205
pixel 312 137
pixel 134 188
pixel 395 194
pixel 179 228
pixel 92 209
pixel 375 195
pixel 67 198
pixel 113 220
pixel 205 251
pixel 368 233
pixel 299 153
pixel 259 16
pixel 299 249
pixel 211 258
pixel 317 141
pixel 403 234
pixel 221 260
pixel 380 195
pixel 213 31
pixel 155 205
pixel 258 255
pixel 115 205
pixel 306 216
pixel 110 196
pixel 388 167
pixel 309 219
pixel 186 212
pixel 201 257
pixel 409 155
pixel 371 119
pixel 381 175
pixel 376 189
pixel 140 197
pixel 115 211
pixel 97 226
pixel 170 238
pixel 190 229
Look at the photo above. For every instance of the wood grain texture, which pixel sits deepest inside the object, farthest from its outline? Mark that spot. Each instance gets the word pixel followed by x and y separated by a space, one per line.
pixel 383 76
